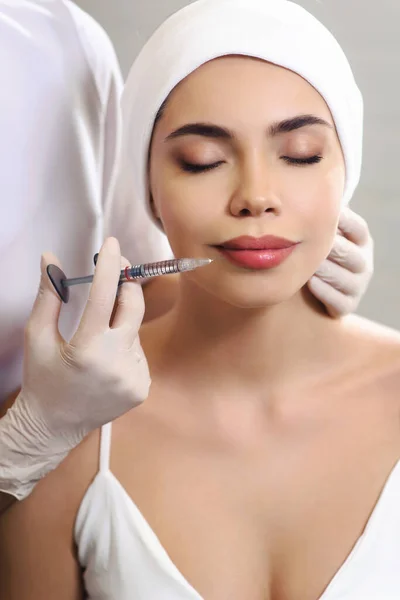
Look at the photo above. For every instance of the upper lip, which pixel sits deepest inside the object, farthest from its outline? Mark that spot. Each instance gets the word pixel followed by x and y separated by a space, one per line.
pixel 247 242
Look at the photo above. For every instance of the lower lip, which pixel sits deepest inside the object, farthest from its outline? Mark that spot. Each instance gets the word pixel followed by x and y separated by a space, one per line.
pixel 257 259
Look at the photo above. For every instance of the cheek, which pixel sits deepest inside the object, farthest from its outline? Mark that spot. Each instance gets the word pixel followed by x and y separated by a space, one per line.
pixel 318 203
pixel 188 208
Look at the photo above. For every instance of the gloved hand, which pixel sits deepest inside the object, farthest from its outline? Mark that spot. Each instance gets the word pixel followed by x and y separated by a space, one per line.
pixel 70 389
pixel 344 276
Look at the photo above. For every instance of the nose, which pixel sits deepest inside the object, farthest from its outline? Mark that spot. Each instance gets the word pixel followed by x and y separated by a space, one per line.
pixel 256 192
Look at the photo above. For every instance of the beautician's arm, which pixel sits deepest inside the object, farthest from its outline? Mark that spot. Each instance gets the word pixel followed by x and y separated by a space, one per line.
pixel 67 387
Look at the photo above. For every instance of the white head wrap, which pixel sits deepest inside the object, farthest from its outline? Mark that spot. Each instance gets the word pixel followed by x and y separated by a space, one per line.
pixel 278 31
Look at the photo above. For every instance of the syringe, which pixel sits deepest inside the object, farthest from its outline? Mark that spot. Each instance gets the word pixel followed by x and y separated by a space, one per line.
pixel 177 265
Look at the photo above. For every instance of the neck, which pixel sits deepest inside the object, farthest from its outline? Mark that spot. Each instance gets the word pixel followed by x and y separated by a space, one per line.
pixel 245 348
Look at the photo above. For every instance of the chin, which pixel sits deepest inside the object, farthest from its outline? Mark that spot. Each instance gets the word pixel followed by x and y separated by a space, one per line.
pixel 257 299
pixel 254 290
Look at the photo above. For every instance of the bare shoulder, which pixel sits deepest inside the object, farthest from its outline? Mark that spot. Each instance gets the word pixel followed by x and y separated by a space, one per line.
pixel 37 534
pixel 377 348
pixel 371 334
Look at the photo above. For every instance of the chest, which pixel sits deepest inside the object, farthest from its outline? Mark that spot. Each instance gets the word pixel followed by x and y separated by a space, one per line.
pixel 271 521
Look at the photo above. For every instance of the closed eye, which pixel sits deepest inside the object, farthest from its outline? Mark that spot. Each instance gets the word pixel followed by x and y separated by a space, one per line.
pixel 310 160
pixel 199 168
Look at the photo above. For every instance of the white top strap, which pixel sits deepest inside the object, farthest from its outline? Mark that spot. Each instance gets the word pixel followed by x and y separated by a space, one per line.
pixel 105 447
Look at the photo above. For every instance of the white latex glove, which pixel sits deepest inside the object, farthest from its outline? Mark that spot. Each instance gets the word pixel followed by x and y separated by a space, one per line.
pixel 70 389
pixel 344 276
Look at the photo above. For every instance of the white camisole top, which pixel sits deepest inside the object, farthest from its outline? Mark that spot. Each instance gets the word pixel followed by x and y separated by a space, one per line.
pixel 122 558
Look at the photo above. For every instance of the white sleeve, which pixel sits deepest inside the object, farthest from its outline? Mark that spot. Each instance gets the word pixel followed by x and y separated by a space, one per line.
pixel 112 140
pixel 103 62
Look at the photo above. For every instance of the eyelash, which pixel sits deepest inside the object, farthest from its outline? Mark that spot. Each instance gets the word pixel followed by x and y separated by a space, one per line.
pixel 196 168
pixel 310 160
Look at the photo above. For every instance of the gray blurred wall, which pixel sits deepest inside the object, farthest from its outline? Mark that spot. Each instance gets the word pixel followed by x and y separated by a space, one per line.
pixel 370 35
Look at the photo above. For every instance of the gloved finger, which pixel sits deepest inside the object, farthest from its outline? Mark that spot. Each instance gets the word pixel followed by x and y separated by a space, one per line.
pixel 130 306
pixel 98 310
pixel 353 227
pixel 336 303
pixel 348 255
pixel 47 305
pixel 339 278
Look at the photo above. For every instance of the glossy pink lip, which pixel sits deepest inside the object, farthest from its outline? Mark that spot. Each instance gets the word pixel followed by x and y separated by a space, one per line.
pixel 247 242
pixel 266 252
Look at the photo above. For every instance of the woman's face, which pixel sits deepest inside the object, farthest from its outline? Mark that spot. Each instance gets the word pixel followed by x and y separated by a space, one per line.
pixel 246 148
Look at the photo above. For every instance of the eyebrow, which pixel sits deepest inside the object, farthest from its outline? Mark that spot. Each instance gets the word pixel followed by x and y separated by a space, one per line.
pixel 214 131
pixel 296 123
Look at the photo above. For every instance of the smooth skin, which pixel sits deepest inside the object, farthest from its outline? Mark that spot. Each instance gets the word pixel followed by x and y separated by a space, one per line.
pixel 270 428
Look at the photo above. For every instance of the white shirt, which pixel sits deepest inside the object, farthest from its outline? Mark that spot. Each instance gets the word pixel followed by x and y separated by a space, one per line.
pixel 59 137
